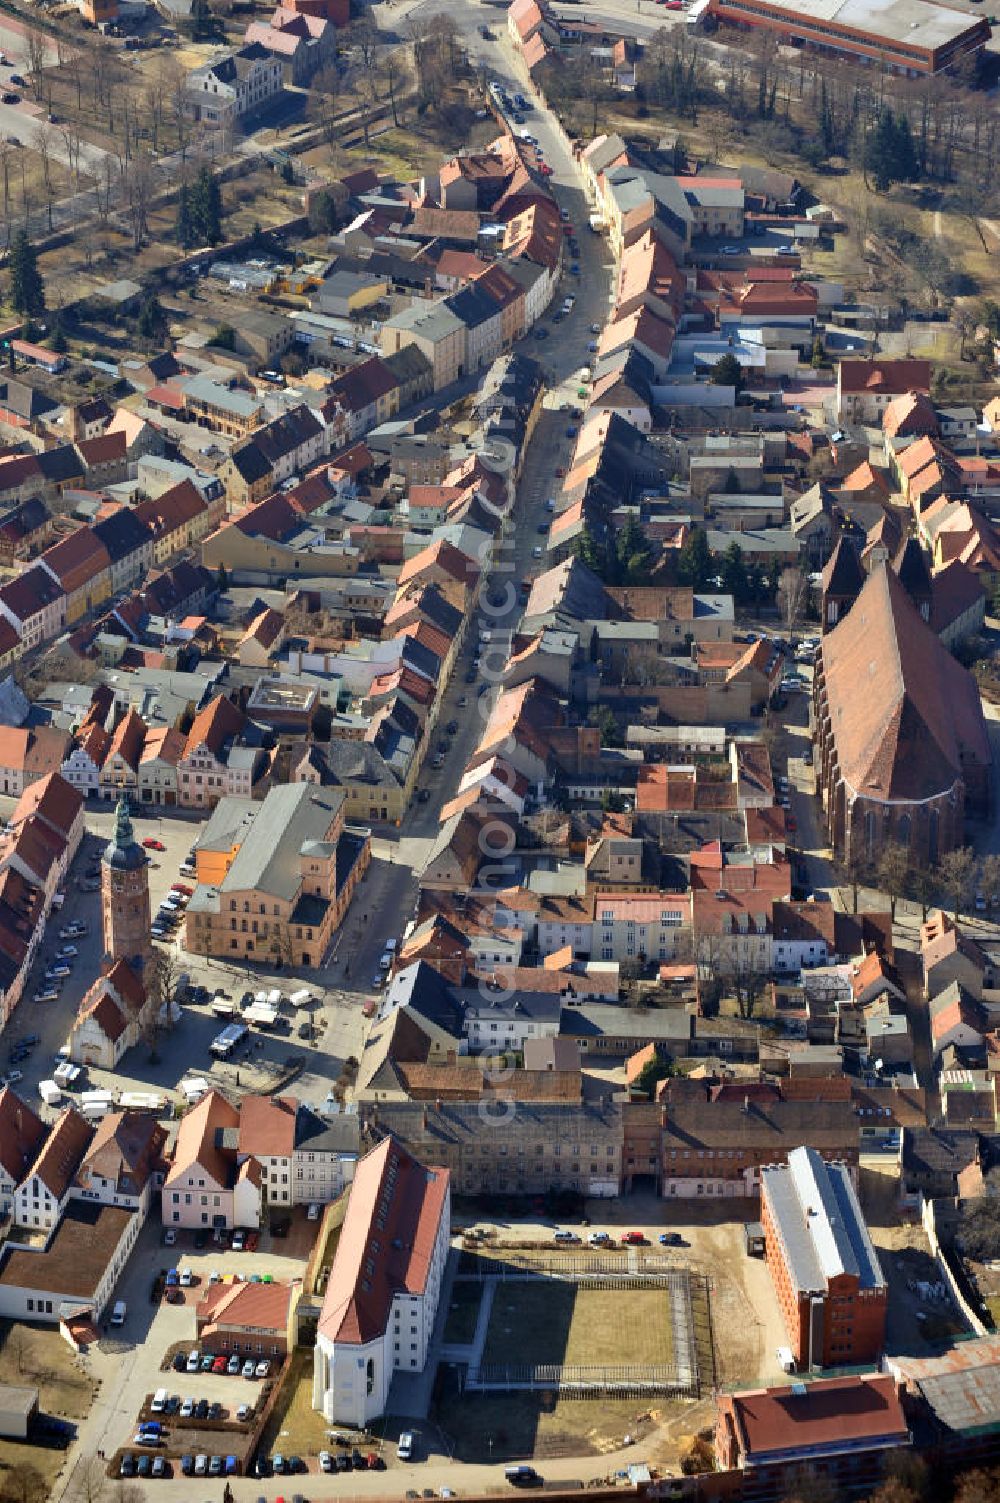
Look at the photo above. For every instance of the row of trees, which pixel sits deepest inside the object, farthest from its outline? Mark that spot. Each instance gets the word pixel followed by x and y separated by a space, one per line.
pixel 954 880
pixel 624 558
pixel 749 582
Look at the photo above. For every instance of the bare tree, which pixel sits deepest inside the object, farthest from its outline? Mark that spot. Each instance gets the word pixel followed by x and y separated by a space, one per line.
pixel 43 146
pixel 35 54
pixel 5 149
pixel 104 187
pixel 956 874
pixel 322 102
pixel 893 871
pixel 988 878
pixel 793 591
pixel 91 1475
pixel 138 185
pixel 176 101
pixel 72 145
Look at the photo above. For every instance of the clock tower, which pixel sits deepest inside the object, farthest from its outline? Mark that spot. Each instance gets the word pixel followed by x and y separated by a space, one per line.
pixel 125 895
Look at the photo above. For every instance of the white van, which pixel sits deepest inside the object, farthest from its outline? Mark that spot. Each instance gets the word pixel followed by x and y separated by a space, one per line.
pixel 119 1313
pixel 159 1401
pixel 404 1449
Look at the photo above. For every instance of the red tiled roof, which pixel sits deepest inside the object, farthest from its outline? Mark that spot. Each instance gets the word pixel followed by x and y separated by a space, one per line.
pixel 395 1210
pixel 831 1412
pixel 883 375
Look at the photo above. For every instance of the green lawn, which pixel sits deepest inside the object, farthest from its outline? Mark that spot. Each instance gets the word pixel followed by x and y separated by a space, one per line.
pixel 549 1321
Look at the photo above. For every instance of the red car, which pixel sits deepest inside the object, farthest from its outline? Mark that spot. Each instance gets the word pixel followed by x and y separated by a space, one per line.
pixel 791 823
pixel 546 170
pixel 179 887
pixel 219 1365
pixel 251 1242
pixel 634 1239
pixel 567 229
pixel 153 845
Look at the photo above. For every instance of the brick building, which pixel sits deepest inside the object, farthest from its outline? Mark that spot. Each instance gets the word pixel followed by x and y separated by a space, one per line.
pixel 827 1277
pixel 902 752
pixel 716 1140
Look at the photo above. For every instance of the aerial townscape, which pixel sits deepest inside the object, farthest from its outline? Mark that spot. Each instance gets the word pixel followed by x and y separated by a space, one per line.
pixel 499 750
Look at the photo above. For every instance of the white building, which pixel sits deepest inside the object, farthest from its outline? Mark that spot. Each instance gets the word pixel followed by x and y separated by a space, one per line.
pixel 45 1190
pixel 207 1185
pixel 22 1133
pixel 230 1162
pixel 235 85
pixel 382 1298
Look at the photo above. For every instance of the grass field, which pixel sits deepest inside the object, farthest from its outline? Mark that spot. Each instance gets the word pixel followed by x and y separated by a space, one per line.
pixel 554 1322
pixel 463 1312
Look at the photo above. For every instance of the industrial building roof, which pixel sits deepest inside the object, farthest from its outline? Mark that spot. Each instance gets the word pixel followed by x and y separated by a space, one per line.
pixel 916 23
pixel 819 1221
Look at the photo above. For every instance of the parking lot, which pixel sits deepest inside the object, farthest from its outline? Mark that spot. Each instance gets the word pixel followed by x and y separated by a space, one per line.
pixel 129 1361
pixel 333 1016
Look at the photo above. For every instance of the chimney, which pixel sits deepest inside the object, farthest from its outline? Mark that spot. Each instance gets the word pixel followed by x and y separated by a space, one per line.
pixel 663 1115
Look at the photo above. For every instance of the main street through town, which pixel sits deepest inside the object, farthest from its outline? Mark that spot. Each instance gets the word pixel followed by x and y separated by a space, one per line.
pixel 383 904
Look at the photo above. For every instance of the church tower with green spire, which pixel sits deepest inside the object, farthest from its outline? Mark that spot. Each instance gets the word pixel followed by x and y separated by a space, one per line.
pixel 125 895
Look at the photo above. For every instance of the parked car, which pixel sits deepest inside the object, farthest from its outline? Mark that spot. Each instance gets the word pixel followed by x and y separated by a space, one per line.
pixel 152 844
pixel 233 1366
pixel 248 1368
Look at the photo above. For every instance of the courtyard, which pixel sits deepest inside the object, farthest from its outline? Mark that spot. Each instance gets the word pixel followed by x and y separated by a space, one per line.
pixel 552 1321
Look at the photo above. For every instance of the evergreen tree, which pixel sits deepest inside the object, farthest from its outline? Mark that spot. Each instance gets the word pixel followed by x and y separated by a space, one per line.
pixel 152 320
pixel 695 562
pixel 734 574
pixel 634 554
pixel 58 340
pixel 586 549
pixel 907 161
pixel 322 213
pixel 881 147
pixel 727 371
pixel 27 289
pixel 222 579
pixel 818 355
pixel 204 209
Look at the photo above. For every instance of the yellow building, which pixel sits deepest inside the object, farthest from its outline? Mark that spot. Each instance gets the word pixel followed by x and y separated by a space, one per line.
pixel 275 879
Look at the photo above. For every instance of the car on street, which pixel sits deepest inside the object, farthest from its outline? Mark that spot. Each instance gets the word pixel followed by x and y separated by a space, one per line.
pixel 152 844
pixel 731 250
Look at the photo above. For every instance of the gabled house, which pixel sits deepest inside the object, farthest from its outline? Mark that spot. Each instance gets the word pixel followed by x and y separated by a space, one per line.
pixel 43 1193
pixel 114 1015
pixel 207 1185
